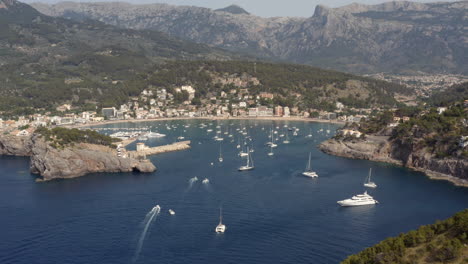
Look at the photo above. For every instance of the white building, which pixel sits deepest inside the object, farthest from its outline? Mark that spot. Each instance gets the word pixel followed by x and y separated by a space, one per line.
pixel 339 106
pixel 351 132
pixel 189 89
pixel 286 111
pixel 440 110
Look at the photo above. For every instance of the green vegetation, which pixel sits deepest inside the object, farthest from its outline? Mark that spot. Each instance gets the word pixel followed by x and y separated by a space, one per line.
pixel 442 242
pixel 60 137
pixel 438 133
pixel 102 82
pixel 318 88
pixel 450 95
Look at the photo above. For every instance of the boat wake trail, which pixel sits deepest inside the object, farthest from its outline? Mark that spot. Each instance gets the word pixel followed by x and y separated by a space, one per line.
pixel 150 217
pixel 192 181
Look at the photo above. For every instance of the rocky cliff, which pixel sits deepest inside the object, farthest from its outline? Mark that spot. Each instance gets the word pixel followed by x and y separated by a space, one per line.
pixel 381 148
pixel 15 146
pixel 390 37
pixel 71 161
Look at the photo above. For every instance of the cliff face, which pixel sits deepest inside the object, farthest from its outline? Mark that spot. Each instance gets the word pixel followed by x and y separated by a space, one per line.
pixel 15 146
pixel 380 148
pixel 72 161
pixel 390 37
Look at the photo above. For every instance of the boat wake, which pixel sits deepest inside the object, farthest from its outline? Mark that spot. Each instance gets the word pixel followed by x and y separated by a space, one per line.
pixel 150 217
pixel 192 181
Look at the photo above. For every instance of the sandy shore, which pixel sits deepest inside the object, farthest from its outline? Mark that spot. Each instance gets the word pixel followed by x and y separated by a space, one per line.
pixel 108 122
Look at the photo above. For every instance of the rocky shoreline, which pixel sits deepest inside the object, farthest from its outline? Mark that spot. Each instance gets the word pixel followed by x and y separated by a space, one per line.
pixel 69 162
pixel 382 149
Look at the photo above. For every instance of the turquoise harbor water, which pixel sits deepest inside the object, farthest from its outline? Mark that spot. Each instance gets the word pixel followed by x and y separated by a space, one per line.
pixel 272 214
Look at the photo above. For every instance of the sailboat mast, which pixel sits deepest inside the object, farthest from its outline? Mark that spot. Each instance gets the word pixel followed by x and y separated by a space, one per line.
pixel 220 215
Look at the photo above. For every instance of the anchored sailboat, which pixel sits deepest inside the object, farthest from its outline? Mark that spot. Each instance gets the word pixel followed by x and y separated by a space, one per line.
pixel 220 228
pixel 271 151
pixel 249 165
pixel 308 172
pixel 368 182
pixel 220 155
pixel 286 141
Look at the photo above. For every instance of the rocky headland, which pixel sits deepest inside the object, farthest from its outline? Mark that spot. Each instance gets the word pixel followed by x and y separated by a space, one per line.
pixel 51 162
pixel 384 149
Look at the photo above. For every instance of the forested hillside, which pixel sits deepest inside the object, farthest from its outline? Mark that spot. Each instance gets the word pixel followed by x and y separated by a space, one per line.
pixel 442 242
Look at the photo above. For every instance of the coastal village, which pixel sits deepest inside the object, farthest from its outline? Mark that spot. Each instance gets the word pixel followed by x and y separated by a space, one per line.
pixel 158 103
pixel 155 103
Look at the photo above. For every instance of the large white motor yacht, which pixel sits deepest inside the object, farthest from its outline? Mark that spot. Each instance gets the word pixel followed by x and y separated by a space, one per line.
pixel 357 200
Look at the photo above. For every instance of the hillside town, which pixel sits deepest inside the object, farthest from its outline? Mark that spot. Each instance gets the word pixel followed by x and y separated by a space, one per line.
pixel 423 84
pixel 156 103
pixel 159 103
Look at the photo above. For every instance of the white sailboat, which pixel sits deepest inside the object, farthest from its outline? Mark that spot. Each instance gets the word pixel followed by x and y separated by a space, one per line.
pixel 249 165
pixel 220 159
pixel 271 150
pixel 368 182
pixel 308 172
pixel 220 228
pixel 286 141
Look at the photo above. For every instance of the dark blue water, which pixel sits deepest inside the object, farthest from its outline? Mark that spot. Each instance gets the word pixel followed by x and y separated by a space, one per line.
pixel 272 214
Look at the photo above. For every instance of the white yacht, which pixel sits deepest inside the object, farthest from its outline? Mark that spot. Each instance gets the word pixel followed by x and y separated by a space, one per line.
pixel 357 200
pixel 249 165
pixel 205 181
pixel 220 228
pixel 308 172
pixel 368 182
pixel 154 135
pixel 171 212
pixel 286 141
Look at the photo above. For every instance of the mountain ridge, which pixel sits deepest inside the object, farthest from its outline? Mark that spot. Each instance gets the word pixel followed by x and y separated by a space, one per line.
pixel 390 37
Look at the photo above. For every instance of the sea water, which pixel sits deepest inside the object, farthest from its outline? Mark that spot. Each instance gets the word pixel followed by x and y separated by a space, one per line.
pixel 272 214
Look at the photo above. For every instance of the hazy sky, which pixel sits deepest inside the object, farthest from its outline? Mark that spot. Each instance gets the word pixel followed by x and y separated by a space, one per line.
pixel 266 8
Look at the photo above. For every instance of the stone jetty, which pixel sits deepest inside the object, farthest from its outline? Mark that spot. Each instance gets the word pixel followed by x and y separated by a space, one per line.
pixel 143 151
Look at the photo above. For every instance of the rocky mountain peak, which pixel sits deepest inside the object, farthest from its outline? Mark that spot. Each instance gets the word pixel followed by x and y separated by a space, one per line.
pixel 234 9
pixel 5 4
pixel 321 10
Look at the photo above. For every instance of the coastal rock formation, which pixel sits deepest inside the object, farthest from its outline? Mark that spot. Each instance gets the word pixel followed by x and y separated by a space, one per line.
pixel 80 159
pixel 70 161
pixel 381 148
pixel 15 146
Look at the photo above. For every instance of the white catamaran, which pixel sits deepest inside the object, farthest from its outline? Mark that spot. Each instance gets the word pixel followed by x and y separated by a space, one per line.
pixel 249 165
pixel 308 172
pixel 368 182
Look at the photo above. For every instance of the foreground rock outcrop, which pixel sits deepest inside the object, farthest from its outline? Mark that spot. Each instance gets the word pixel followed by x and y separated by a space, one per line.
pixel 70 161
pixel 381 148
